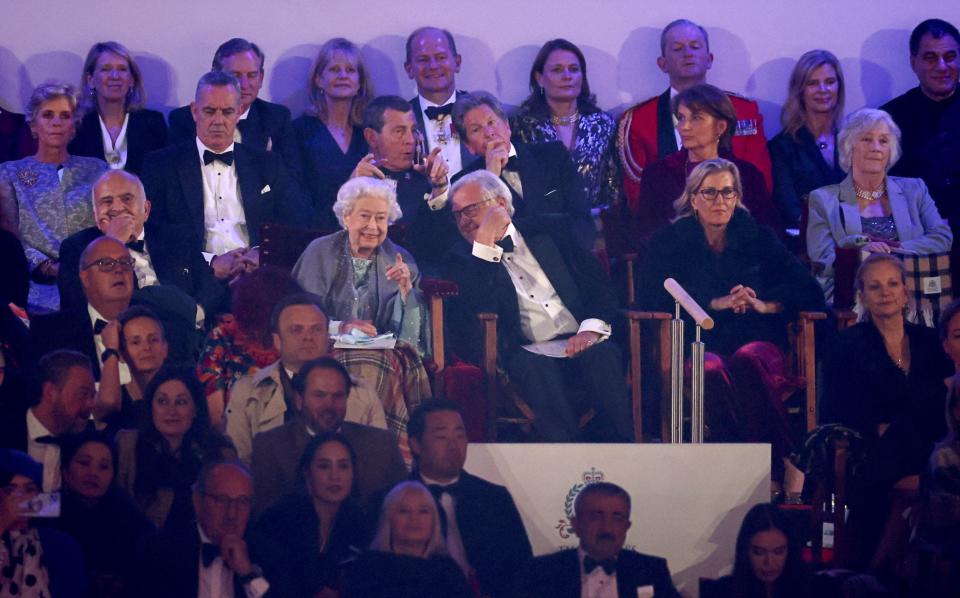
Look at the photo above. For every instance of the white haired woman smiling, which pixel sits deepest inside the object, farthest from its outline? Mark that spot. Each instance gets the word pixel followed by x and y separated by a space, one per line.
pixel 889 214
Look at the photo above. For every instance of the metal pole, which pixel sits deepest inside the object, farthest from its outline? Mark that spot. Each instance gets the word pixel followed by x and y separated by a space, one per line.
pixel 696 398
pixel 676 377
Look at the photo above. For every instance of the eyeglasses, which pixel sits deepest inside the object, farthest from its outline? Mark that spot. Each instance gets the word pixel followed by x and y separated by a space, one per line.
pixel 108 264
pixel 223 501
pixel 712 194
pixel 470 211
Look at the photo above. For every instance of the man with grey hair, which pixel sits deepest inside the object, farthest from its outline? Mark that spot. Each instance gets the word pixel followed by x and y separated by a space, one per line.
pixel 216 193
pixel 554 305
pixel 647 130
pixel 260 124
pixel 541 177
pixel 433 62
pixel 121 208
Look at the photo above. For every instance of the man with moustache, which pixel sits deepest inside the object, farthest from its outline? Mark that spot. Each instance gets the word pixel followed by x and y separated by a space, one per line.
pixel 67 393
pixel 433 62
pixel 599 567
pixel 262 124
pixel 217 193
pixel 320 395
pixel 647 130
pixel 121 210
pixel 390 131
pixel 265 399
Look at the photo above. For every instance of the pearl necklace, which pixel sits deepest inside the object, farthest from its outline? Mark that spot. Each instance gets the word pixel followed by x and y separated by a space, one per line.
pixel 565 121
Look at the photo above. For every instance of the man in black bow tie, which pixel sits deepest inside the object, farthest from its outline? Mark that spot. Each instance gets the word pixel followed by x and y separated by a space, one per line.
pixel 481 525
pixel 600 567
pixel 210 560
pixel 216 193
pixel 543 287
pixel 432 61
pixel 421 182
pixel 121 209
pixel 541 176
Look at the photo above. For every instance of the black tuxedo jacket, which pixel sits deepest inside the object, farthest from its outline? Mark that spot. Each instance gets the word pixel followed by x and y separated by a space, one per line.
pixel 173 181
pixel 173 261
pixel 13 425
pixel 72 329
pixel 465 155
pixel 146 131
pixel 492 532
pixel 169 565
pixel 427 234
pixel 267 126
pixel 15 139
pixel 557 575
pixel 550 187
pixel 578 278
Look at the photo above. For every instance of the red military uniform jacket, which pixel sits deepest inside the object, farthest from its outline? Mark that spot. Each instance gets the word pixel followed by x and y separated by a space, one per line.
pixel 646 134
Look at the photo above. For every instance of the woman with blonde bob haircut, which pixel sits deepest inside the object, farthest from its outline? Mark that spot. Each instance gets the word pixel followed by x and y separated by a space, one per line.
pixel 329 137
pixel 116 127
pixel 739 271
pixel 869 209
pixel 804 154
pixel 408 557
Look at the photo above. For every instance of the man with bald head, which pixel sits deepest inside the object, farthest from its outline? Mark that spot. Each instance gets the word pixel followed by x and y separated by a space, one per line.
pixel 215 193
pixel 647 130
pixel 121 209
pixel 106 277
pixel 432 62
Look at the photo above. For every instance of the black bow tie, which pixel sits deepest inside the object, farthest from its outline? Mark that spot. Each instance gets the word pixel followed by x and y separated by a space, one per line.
pixel 609 566
pixel 208 553
pixel 438 112
pixel 98 326
pixel 136 245
pixel 437 490
pixel 225 157
pixel 46 440
pixel 506 244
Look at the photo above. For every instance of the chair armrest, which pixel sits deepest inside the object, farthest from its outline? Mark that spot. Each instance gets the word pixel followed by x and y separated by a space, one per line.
pixel 439 287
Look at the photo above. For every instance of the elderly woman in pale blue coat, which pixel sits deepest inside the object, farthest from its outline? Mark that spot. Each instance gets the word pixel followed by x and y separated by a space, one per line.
pixel 868 209
pixel 367 282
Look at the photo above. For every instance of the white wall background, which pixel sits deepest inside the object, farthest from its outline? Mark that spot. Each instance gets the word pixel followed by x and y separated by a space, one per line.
pixel 756 42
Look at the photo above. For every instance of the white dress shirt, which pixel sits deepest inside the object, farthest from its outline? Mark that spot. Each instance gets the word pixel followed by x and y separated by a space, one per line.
pixel 443 133
pixel 596 584
pixel 543 316
pixel 224 221
pixel 47 455
pixel 98 343
pixel 142 266
pixel 216 581
pixel 454 540
pixel 115 153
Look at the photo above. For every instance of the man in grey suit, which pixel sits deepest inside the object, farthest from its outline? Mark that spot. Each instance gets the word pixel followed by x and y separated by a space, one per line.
pixel 320 394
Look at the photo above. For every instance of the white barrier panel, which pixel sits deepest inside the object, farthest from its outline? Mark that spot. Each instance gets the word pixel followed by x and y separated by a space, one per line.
pixel 688 500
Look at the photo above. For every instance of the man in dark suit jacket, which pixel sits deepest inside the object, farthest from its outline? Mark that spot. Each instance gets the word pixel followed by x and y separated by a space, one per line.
pixel 481 525
pixel 541 177
pixel 263 125
pixel 428 231
pixel 217 193
pixel 600 566
pixel 194 560
pixel 432 61
pixel 106 276
pixel 320 395
pixel 543 287
pixel 121 209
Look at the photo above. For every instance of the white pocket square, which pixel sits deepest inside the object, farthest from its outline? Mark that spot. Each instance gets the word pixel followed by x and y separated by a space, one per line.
pixel 645 592
pixel 266 189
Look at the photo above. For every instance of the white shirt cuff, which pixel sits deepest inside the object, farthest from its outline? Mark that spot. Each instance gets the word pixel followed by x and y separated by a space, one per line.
pixel 208 256
pixel 256 587
pixel 596 325
pixel 438 202
pixel 333 327
pixel 487 253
